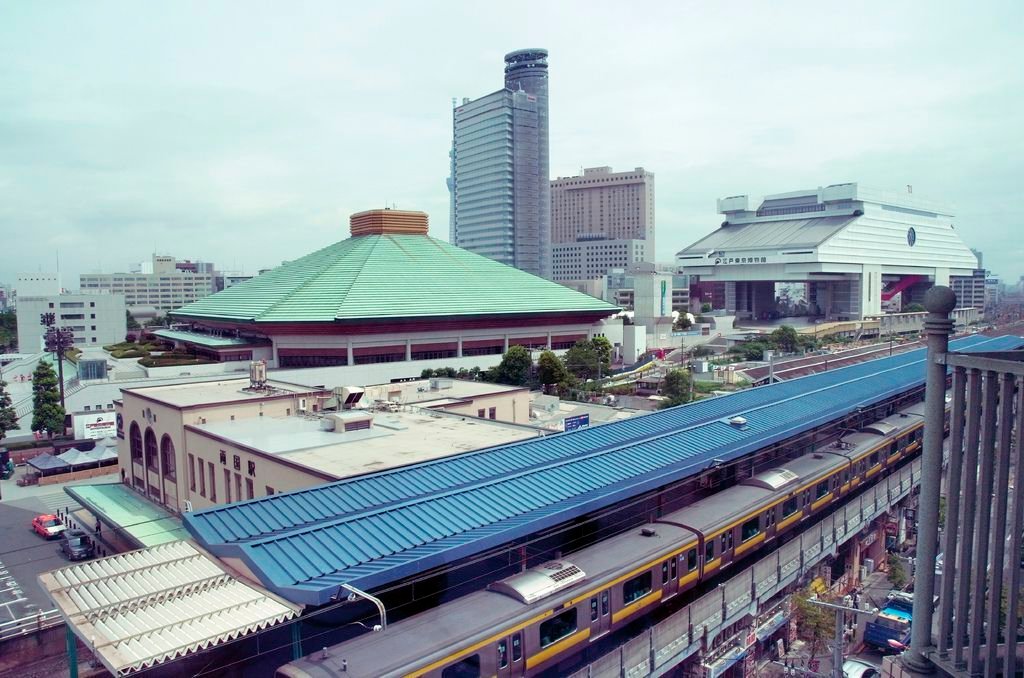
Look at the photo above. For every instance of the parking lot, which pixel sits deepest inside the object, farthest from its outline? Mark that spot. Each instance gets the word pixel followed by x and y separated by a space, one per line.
pixel 24 554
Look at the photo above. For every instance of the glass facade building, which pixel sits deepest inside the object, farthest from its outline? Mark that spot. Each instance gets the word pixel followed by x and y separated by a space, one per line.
pixel 501 203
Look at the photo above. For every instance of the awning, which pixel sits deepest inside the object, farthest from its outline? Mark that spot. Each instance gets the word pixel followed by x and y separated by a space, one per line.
pixel 76 457
pixel 726 661
pixel 100 454
pixel 47 462
pixel 772 624
pixel 138 609
pixel 141 521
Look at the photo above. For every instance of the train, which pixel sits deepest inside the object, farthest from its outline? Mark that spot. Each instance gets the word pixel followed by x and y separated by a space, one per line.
pixel 530 622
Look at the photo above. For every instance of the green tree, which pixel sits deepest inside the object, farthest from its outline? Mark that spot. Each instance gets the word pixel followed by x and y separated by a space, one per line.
pixel 897 572
pixel 682 322
pixel 47 414
pixel 551 369
pixel 515 365
pixel 702 352
pixel 705 308
pixel 582 360
pixel 816 624
pixel 676 388
pixel 786 338
pixel 914 308
pixel 603 348
pixel 8 419
pixel 8 329
pixel 133 324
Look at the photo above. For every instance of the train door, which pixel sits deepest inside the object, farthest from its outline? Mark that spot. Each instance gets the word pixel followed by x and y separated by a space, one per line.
pixel 510 660
pixel 669 577
pixel 600 614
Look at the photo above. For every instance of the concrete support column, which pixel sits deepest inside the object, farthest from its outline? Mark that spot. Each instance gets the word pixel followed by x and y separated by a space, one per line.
pixel 870 290
pixel 549 342
pixel 505 350
pixel 408 350
pixel 72 645
pixel 458 349
pixel 939 301
pixel 351 354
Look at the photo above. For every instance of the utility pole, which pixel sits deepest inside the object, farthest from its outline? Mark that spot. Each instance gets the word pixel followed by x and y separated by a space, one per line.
pixel 837 648
pixel 58 340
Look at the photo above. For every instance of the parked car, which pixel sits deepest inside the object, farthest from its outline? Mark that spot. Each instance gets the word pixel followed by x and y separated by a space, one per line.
pixel 47 526
pixel 76 545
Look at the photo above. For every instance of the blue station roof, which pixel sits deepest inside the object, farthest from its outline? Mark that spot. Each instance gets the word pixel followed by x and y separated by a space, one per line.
pixel 375 529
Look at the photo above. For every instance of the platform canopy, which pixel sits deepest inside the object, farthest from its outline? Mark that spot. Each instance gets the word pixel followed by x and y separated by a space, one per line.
pixel 139 609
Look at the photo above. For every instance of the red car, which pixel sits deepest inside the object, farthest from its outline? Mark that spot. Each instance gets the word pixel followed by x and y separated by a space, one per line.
pixel 47 526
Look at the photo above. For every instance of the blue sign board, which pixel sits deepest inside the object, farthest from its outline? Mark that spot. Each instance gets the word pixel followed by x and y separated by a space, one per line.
pixel 579 421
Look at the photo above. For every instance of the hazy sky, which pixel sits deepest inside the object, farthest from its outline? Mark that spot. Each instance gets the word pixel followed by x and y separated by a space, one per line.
pixel 245 133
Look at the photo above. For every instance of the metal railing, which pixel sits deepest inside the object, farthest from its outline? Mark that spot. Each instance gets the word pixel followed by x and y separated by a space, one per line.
pixel 31 624
pixel 976 627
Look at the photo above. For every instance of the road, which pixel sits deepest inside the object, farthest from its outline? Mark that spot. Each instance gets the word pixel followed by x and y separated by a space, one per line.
pixel 23 556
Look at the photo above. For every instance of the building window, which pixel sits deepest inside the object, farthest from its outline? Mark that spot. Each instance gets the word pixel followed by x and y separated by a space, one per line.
pixel 227 486
pixel 238 487
pixel 480 413
pixel 152 461
pixel 167 458
pixel 192 472
pixel 248 488
pixel 213 482
pixel 135 442
pixel 270 490
pixel 492 413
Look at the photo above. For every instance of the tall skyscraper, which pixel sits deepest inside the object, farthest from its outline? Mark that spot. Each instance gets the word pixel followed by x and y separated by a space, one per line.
pixel 501 197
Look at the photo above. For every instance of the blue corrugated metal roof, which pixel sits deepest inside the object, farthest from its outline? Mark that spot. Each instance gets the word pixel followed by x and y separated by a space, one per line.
pixel 379 528
pixel 266 516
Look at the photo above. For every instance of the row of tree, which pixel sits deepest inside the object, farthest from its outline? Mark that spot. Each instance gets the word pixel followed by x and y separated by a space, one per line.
pixel 785 339
pixel 586 360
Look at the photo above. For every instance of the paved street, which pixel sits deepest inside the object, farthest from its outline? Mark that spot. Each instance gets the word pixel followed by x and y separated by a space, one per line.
pixel 23 555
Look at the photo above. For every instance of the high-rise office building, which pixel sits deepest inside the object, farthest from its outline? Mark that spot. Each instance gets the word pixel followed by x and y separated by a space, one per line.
pixel 501 202
pixel 603 204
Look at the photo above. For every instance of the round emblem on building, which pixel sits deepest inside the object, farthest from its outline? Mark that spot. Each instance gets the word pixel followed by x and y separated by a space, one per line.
pixel 911 236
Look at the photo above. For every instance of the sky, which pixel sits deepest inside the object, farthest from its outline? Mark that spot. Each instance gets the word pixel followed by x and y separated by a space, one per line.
pixel 245 133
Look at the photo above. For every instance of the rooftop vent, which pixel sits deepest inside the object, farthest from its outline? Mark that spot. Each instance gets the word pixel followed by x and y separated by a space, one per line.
pixel 738 421
pixel 880 428
pixel 648 532
pixel 540 582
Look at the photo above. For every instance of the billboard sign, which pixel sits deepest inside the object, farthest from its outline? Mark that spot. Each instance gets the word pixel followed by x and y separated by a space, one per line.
pixel 95 426
pixel 579 421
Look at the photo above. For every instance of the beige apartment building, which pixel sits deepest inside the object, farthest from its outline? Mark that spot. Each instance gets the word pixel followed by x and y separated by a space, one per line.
pixel 603 205
pixel 195 445
pixel 166 288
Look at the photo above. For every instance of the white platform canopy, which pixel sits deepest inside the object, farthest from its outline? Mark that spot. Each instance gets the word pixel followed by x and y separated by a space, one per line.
pixel 138 609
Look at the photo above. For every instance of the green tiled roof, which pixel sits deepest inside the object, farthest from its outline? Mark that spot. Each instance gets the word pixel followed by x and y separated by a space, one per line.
pixel 389 276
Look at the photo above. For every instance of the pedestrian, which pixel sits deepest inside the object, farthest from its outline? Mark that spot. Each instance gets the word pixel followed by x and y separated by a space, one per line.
pixel 98 528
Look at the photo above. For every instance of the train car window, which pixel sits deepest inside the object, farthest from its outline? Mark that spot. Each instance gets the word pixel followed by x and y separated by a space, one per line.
pixel 709 550
pixel 593 609
pixel 894 448
pixel 691 560
pixel 517 647
pixel 604 603
pixel 502 653
pixel 821 489
pixel 873 459
pixel 727 541
pixel 750 529
pixel 556 628
pixel 636 588
pixel 467 668
pixel 664 573
pixel 789 507
pixel 672 563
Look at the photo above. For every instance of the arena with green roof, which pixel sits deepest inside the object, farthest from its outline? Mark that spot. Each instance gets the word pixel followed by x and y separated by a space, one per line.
pixel 389 293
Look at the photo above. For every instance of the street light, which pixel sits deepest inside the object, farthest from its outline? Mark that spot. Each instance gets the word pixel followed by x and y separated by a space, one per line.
pixel 58 340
